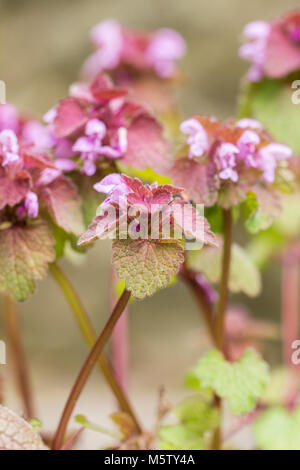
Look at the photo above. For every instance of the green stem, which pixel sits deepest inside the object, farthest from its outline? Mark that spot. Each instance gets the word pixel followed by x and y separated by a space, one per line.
pixel 90 336
pixel 87 369
pixel 223 292
pixel 222 305
pixel 19 358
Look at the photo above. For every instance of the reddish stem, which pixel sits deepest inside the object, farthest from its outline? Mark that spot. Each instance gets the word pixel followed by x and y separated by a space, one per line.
pixel 87 369
pixel 206 308
pixel 120 342
pixel 19 357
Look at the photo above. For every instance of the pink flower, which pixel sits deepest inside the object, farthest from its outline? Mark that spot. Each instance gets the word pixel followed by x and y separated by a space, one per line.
pixel 37 134
pixel 107 38
pixel 255 50
pixel 237 159
pixel 226 155
pixel 114 186
pixel 197 140
pixel 273 48
pixel 91 147
pixel 249 123
pixel 267 159
pixel 9 149
pixel 31 204
pixel 166 47
pixel 120 49
pixel 247 145
pixel 9 118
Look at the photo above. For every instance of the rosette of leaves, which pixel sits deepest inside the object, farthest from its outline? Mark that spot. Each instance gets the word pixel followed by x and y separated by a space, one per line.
pixel 99 126
pixel 148 225
pixel 32 211
pixel 232 165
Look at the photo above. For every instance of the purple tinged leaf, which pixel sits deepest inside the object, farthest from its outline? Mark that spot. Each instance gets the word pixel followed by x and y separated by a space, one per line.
pixel 146 266
pixel 64 205
pixel 25 252
pixel 146 146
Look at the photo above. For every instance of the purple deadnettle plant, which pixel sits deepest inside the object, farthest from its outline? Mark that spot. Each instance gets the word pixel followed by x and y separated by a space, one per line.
pixel 96 141
pixel 146 250
pixel 29 207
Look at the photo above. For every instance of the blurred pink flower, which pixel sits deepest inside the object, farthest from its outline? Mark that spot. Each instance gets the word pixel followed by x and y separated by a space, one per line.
pixel 273 48
pixel 121 48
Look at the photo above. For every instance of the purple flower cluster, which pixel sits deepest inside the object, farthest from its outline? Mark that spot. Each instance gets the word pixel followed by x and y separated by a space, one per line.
pixel 246 147
pixel 117 47
pixel 272 48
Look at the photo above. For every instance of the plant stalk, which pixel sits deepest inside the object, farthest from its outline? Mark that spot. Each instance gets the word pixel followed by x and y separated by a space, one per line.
pixel 120 341
pixel 87 369
pixel 18 354
pixel 90 336
pixel 224 292
pixel 222 305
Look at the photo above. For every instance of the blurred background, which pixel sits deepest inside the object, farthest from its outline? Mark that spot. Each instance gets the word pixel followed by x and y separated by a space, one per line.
pixel 43 45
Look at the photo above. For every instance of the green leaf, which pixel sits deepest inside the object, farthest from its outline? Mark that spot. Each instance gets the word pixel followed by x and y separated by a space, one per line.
pixel 147 175
pixel 146 266
pixel 278 429
pixel 244 275
pixel 289 221
pixel 90 198
pixel 264 245
pixel 25 252
pixel 241 383
pixel 36 424
pixel 179 437
pixel 83 421
pixel 197 414
pixel 271 103
pixel 264 206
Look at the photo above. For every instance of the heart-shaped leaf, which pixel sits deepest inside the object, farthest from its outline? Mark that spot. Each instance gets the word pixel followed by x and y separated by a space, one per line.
pixel 146 265
pixel 241 383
